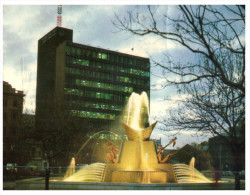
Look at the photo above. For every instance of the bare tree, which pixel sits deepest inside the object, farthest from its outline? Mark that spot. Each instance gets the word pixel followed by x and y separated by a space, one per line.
pixel 60 138
pixel 215 33
pixel 215 80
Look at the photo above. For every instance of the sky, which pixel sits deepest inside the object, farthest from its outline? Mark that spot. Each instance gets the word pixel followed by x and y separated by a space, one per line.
pixel 23 25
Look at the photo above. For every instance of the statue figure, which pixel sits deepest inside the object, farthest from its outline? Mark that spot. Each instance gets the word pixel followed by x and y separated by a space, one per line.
pixel 172 141
pixel 161 151
pixel 112 154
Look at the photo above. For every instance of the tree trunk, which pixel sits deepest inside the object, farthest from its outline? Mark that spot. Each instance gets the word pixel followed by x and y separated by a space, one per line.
pixel 237 169
pixel 47 175
pixel 237 181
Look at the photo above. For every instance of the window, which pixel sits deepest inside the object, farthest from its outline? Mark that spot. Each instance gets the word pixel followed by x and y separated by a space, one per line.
pixel 99 55
pixel 112 58
pixel 73 50
pixel 74 61
pixel 134 61
pixel 85 62
pixel 94 54
pixel 87 53
pixel 5 102
pixel 104 56
pixel 98 95
pixel 130 61
pixel 15 103
pixel 68 50
pixel 126 79
pixel 78 51
pixel 116 59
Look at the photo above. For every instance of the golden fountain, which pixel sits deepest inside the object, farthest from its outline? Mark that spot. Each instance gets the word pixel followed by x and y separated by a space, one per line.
pixel 138 161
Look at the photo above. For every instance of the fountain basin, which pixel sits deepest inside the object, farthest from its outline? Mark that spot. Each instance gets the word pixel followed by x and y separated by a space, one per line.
pixel 39 184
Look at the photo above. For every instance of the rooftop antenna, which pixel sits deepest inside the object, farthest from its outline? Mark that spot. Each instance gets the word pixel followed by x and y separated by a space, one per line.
pixel 133 35
pixel 59 16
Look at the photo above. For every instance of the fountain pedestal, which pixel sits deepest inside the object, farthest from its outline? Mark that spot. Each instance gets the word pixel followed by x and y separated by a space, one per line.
pixel 139 164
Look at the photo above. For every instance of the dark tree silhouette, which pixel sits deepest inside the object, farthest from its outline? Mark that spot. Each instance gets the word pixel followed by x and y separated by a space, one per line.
pixel 214 82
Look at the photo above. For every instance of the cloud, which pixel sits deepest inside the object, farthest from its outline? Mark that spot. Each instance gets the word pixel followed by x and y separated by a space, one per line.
pixel 159 108
pixel 25 81
pixel 24 25
pixel 183 137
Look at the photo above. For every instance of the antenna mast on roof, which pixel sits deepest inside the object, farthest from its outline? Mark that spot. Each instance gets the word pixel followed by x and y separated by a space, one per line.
pixel 59 16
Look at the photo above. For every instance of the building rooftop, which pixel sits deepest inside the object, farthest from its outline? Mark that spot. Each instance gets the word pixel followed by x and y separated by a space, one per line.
pixel 7 88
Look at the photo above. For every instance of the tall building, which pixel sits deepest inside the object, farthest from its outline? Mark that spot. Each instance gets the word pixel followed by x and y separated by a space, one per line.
pixel 12 118
pixel 12 111
pixel 88 82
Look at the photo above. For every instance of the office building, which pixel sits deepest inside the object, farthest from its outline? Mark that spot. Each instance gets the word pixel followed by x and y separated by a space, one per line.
pixel 88 82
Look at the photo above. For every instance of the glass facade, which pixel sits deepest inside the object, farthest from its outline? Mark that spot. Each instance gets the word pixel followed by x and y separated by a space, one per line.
pixel 97 105
pixel 96 94
pixel 99 82
pixel 89 114
pixel 109 86
pixel 106 76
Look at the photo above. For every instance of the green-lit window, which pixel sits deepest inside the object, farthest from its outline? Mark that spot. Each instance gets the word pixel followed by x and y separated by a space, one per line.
pixel 112 58
pixel 112 116
pixel 74 61
pixel 85 62
pixel 94 54
pixel 82 114
pixel 78 51
pixel 78 82
pixel 68 50
pixel 126 79
pixel 104 56
pixel 73 50
pixel 67 60
pixel 67 70
pixel 99 56
pixel 98 95
pixel 83 52
pixel 116 59
pixel 88 53
pixel 130 61
pixel 93 114
pixel 125 60
pixel 107 96
pixel 134 61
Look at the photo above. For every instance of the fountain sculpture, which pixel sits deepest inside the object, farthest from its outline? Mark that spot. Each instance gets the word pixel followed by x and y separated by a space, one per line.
pixel 135 166
pixel 138 162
